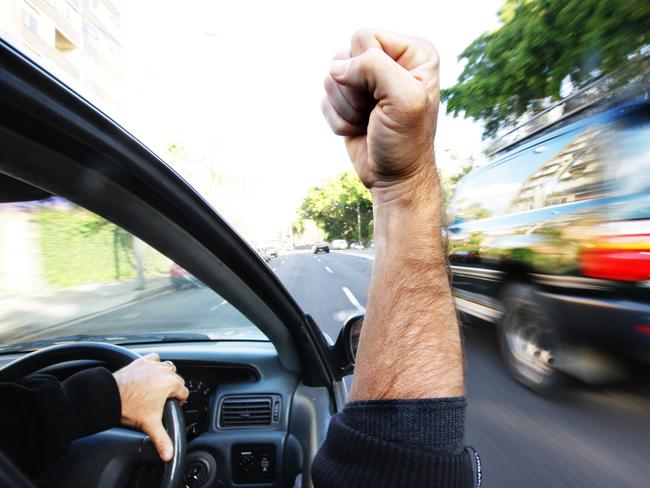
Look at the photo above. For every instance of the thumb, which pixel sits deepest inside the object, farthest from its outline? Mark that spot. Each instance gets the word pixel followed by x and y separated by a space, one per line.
pixel 376 72
pixel 161 440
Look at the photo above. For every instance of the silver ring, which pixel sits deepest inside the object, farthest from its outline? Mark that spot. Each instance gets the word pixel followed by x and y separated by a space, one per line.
pixel 171 366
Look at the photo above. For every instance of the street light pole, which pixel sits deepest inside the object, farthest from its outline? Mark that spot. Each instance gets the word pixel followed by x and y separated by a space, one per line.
pixel 359 221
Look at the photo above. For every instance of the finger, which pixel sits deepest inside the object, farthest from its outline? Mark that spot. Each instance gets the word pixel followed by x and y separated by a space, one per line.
pixel 178 389
pixel 161 440
pixel 358 99
pixel 152 357
pixel 377 73
pixel 408 51
pixel 338 124
pixel 342 105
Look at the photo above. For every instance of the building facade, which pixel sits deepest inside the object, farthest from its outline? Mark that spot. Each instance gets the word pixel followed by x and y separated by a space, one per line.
pixel 78 41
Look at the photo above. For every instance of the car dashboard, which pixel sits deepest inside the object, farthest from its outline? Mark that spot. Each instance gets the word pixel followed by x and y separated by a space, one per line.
pixel 250 422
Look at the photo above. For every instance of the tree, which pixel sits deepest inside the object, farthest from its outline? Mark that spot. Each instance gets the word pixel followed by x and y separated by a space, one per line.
pixel 540 46
pixel 341 207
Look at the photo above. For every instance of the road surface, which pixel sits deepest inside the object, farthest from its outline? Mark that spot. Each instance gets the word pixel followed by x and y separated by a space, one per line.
pixel 590 437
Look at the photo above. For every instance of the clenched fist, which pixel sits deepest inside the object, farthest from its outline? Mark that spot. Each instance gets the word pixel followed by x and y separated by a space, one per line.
pixel 383 95
pixel 145 385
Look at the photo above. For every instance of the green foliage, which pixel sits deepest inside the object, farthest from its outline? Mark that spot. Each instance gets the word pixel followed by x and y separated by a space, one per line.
pixel 336 206
pixel 78 247
pixel 522 65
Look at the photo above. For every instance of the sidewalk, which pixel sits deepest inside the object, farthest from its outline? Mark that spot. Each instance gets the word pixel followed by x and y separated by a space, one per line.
pixel 26 313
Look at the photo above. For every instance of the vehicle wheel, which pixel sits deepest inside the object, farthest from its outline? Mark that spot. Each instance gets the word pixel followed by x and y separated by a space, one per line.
pixel 528 339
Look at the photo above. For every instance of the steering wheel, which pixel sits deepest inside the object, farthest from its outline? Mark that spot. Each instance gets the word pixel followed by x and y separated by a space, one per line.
pixel 109 458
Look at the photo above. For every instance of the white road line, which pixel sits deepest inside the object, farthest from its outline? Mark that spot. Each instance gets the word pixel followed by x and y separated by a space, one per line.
pixel 273 269
pixel 318 260
pixel 327 268
pixel 130 316
pixel 214 307
pixel 353 299
pixel 356 255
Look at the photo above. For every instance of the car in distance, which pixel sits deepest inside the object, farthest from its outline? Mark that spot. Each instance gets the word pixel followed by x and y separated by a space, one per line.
pixel 339 244
pixel 181 278
pixel 357 246
pixel 550 240
pixel 321 247
pixel 272 251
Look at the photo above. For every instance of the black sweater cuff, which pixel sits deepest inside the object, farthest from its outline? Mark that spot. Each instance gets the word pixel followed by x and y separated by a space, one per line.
pixel 396 443
pixel 435 425
pixel 94 400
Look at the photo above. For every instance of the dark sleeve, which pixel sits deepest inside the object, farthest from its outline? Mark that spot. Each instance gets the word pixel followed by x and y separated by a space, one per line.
pixel 40 416
pixel 397 444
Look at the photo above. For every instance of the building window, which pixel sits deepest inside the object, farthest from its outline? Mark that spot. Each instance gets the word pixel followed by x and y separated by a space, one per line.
pixel 68 11
pixel 30 17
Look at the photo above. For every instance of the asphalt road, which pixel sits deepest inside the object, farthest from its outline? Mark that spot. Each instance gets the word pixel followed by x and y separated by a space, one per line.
pixel 589 437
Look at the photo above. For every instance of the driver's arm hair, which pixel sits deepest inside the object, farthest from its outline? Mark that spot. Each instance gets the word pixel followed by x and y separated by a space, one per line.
pixel 40 416
pixel 405 424
pixel 410 345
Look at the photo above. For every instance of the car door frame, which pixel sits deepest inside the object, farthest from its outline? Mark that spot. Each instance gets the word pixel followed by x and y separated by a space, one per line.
pixel 78 152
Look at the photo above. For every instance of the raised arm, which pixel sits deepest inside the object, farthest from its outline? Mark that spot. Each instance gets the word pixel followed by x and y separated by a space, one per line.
pixel 405 423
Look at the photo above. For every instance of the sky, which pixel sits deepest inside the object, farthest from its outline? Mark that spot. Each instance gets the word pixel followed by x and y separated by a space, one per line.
pixel 239 85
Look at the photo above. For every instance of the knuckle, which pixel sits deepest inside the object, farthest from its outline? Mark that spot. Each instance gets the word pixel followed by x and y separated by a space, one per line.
pixel 340 129
pixel 361 37
pixel 370 59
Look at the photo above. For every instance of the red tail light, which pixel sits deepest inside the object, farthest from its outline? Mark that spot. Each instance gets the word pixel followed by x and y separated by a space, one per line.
pixel 618 251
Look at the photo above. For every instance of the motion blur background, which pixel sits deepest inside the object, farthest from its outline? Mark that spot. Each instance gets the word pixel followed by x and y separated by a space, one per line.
pixel 542 149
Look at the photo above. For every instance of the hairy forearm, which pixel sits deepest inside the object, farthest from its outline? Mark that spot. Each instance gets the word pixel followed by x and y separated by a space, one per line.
pixel 410 345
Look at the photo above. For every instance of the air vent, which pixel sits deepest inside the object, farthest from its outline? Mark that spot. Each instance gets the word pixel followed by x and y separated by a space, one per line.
pixel 247 412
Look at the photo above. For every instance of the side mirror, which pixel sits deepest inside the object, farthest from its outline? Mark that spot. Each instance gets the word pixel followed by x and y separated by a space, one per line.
pixel 345 348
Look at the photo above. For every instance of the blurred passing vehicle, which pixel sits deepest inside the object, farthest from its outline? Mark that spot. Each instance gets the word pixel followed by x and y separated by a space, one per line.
pixel 321 247
pixel 181 278
pixel 339 244
pixel 550 241
pixel 357 246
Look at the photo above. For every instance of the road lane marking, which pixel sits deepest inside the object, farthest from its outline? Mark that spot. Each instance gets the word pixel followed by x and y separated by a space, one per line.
pixel 131 315
pixel 354 254
pixel 214 307
pixel 319 260
pixel 353 299
pixel 327 268
pixel 274 269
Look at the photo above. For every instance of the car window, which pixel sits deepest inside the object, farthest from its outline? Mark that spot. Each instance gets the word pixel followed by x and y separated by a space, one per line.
pixel 69 274
pixel 629 169
pixel 508 184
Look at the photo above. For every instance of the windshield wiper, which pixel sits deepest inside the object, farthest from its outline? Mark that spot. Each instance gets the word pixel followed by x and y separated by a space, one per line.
pixel 114 339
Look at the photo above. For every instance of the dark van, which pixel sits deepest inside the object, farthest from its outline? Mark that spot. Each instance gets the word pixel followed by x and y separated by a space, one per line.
pixel 550 241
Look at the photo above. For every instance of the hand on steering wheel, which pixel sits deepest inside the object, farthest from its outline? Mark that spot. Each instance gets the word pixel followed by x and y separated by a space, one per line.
pixel 144 386
pixel 117 453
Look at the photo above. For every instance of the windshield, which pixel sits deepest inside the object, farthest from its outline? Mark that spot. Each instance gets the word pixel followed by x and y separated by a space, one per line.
pixel 228 95
pixel 68 274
